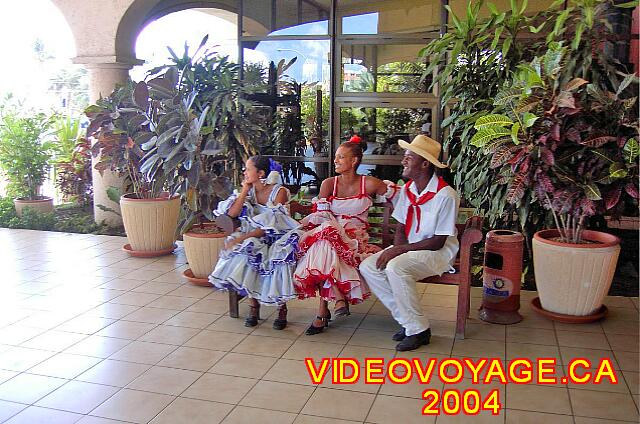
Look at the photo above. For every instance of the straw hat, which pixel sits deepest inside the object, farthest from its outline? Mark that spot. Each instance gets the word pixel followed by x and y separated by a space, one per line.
pixel 426 147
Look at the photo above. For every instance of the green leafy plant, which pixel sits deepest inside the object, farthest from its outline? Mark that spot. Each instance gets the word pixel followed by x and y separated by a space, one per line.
pixel 25 152
pixel 571 146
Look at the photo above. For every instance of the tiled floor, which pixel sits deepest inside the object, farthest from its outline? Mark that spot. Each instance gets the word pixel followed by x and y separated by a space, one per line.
pixel 89 335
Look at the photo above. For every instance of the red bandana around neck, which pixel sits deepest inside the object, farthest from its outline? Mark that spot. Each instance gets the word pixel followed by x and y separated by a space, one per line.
pixel 416 202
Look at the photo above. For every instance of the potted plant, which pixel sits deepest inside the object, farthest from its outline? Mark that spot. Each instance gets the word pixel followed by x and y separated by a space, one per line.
pixel 215 136
pixel 120 125
pixel 24 158
pixel 573 145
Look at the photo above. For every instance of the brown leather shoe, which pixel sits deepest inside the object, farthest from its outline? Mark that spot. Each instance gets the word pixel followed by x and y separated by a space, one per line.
pixel 399 335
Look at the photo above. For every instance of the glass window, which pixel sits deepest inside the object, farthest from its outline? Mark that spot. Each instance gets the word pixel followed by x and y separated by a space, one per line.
pixel 459 7
pixel 388 16
pixel 383 68
pixel 285 17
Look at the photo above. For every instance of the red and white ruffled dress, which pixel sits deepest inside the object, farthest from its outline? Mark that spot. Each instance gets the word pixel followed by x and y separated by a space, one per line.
pixel 334 243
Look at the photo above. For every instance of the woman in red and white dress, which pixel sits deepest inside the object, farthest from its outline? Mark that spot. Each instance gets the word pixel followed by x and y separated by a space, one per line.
pixel 335 240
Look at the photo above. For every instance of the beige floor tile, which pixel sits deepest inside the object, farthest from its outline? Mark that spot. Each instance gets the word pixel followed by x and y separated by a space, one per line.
pixel 442 313
pixel 126 330
pixel 247 415
pixel 78 396
pixel 485 331
pixel 360 353
pixel 538 398
pixel 16 334
pixel 592 355
pixel 170 334
pixel 623 342
pixel 155 287
pixel 133 406
pixel 5 375
pixel 478 348
pixel 411 389
pixel 192 319
pixel 341 404
pixel 373 338
pixel 528 417
pixel 330 335
pixel 484 417
pixel 243 365
pixel 28 388
pixel 265 346
pixel 150 315
pixel 169 381
pixel 231 325
pixel 533 320
pixel 134 299
pixel 34 414
pixel 122 284
pixel 143 352
pixel 588 403
pixel 217 340
pixel 112 310
pixel 193 411
pixel 85 324
pixel 310 419
pixel 113 373
pixel 585 420
pixel 191 358
pixel 393 410
pixel 277 396
pixel 98 346
pixel 379 322
pixel 622 314
pixel 532 351
pixel 289 371
pixel 293 330
pixel 633 381
pixel 302 349
pixel 531 335
pixel 211 306
pixel 21 359
pixel 591 327
pixel 191 291
pixel 580 339
pixel 172 302
pixel 64 365
pixel 9 409
pixel 208 387
pixel 628 361
pixel 620 327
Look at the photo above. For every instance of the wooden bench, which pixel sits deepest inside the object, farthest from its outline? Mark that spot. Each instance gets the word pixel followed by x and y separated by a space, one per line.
pixel 382 229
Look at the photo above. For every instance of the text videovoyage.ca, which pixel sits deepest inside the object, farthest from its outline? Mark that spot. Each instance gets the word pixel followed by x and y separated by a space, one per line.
pixel 451 371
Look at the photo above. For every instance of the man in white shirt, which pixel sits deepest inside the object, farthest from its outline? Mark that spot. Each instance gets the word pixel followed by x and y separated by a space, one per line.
pixel 425 242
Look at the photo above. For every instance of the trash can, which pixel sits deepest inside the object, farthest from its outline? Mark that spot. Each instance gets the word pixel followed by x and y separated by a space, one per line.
pixel 501 277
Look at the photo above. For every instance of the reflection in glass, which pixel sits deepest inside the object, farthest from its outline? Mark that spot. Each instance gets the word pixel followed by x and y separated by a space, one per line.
pixel 388 68
pixel 291 80
pixel 285 17
pixel 388 16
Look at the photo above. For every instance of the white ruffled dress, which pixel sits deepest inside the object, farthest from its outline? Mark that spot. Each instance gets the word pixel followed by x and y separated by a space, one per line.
pixel 260 267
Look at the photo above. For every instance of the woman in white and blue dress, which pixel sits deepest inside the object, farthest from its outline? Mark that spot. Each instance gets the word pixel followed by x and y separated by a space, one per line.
pixel 259 258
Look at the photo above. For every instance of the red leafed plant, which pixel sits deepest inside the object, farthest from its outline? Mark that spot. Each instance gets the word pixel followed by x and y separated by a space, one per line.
pixel 573 144
pixel 73 176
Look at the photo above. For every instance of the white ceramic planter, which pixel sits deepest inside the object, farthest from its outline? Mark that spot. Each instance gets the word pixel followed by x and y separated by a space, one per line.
pixel 202 250
pixel 42 204
pixel 573 279
pixel 150 224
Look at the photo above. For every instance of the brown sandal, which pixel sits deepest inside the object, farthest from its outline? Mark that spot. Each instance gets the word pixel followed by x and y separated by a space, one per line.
pixel 344 310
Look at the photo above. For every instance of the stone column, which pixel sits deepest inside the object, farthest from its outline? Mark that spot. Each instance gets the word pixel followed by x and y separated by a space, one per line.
pixel 103 78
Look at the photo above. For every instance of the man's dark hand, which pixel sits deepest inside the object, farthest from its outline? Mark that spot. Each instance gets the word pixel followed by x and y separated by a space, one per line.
pixel 389 254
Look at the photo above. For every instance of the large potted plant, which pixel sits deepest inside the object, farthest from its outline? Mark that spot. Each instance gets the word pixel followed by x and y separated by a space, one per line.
pixel 24 158
pixel 215 135
pixel 573 146
pixel 120 125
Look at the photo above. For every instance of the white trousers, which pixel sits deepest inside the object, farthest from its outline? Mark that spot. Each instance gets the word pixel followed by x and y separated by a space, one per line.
pixel 395 285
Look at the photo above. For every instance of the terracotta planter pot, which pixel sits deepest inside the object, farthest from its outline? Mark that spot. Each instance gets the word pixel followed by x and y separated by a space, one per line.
pixel 150 224
pixel 202 250
pixel 41 204
pixel 573 279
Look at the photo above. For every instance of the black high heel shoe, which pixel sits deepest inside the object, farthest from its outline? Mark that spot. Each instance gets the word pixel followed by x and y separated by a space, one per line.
pixel 313 330
pixel 254 316
pixel 281 322
pixel 343 311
